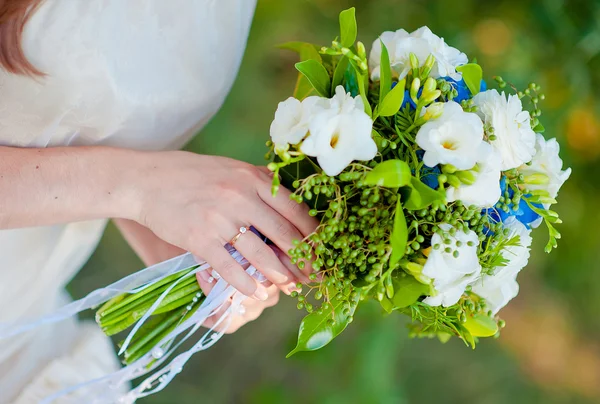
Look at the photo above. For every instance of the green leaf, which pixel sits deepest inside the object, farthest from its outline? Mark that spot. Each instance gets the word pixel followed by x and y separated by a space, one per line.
pixel 407 291
pixel 317 75
pixel 387 304
pixel 348 27
pixel 385 73
pixel 481 325
pixel 339 73
pixel 363 92
pixel 315 331
pixel 309 52
pixel 422 196
pixel 393 100
pixel 539 128
pixel 399 238
pixel 298 46
pixel 472 75
pixel 389 174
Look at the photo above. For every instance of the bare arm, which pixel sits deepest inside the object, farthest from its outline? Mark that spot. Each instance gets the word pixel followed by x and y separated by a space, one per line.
pixel 64 184
pixel 194 202
pixel 145 243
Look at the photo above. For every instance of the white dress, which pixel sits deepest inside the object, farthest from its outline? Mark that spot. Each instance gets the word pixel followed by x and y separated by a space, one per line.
pixel 143 74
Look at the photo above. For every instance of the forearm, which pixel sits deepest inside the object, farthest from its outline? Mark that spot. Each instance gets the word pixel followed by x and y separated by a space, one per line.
pixel 147 245
pixel 64 184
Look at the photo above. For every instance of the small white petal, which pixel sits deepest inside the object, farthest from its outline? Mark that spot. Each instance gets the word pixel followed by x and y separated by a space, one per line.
pixel 454 138
pixel 515 140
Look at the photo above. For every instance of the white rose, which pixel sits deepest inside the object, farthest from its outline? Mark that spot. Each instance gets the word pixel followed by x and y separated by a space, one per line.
pixel 547 161
pixel 454 138
pixel 422 43
pixel 501 286
pixel 340 134
pixel 515 140
pixel 450 274
pixel 485 191
pixel 292 119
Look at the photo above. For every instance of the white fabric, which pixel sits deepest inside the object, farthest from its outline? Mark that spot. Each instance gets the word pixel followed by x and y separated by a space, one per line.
pixel 143 74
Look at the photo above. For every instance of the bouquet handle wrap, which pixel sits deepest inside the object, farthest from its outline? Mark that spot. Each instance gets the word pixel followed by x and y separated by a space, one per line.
pixel 155 364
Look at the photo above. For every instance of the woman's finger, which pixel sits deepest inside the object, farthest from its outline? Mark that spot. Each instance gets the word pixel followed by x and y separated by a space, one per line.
pixel 285 260
pixel 228 268
pixel 264 259
pixel 295 213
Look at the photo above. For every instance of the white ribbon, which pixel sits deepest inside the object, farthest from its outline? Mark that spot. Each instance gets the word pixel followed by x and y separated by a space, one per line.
pixel 108 389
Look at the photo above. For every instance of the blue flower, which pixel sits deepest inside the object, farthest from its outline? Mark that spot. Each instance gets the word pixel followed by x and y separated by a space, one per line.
pixel 429 175
pixel 461 87
pixel 523 214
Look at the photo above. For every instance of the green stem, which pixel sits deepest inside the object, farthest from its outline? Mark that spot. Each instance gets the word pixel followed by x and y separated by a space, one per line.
pixel 119 325
pixel 123 311
pixel 157 334
pixel 120 301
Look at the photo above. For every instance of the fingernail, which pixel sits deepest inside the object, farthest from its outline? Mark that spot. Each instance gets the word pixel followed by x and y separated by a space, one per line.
pixel 261 293
pixel 204 275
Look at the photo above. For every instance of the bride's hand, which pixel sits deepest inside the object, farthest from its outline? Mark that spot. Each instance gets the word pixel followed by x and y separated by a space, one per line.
pixel 198 203
pixel 249 310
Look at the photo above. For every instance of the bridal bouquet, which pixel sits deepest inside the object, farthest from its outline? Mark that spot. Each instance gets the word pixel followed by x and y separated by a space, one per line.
pixel 427 186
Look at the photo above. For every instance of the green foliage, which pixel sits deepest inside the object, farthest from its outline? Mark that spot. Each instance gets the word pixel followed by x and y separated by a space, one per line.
pixel 399 238
pixel 393 100
pixel 472 75
pixel 421 196
pixel 407 291
pixel 390 174
pixel 480 325
pixel 320 328
pixel 385 75
pixel 340 72
pixel 317 75
pixel 348 29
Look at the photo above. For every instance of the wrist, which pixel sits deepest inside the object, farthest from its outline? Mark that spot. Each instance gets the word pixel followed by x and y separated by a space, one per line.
pixel 126 183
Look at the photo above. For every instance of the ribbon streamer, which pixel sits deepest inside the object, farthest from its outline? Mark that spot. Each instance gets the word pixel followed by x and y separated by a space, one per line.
pixel 109 388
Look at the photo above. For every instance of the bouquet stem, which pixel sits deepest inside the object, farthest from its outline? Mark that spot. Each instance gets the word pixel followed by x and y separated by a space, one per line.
pixel 123 311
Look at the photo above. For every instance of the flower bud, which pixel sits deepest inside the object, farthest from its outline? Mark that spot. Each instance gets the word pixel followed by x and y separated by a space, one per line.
pixel 414 88
pixel 537 179
pixel 466 177
pixel 449 169
pixel 429 98
pixel 430 61
pixel 454 181
pixel 434 111
pixel 429 86
pixel 414 61
pixel 360 47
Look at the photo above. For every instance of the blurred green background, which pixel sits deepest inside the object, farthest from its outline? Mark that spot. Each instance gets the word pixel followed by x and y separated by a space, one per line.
pixel 549 351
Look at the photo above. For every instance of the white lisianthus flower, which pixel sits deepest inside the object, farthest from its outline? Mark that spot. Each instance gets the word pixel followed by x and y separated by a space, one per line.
pixel 501 286
pixel 515 140
pixel 485 191
pixel 548 162
pixel 292 119
pixel 422 43
pixel 340 134
pixel 454 138
pixel 451 274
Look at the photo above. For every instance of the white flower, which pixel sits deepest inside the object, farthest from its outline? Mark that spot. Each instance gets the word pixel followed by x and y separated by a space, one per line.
pixel 485 191
pixel 292 119
pixel 454 138
pixel 422 43
pixel 340 134
pixel 501 286
pixel 450 274
pixel 515 140
pixel 547 161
